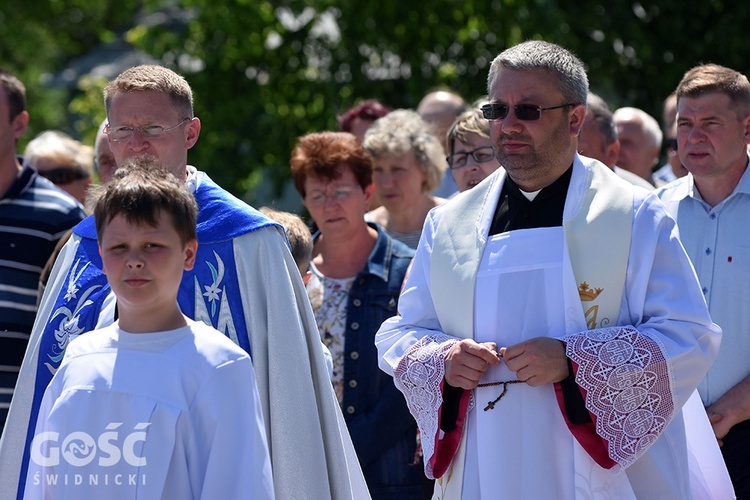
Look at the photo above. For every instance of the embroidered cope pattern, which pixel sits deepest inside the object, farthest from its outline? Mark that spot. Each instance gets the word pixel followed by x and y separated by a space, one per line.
pixel 419 376
pixel 69 312
pixel 626 379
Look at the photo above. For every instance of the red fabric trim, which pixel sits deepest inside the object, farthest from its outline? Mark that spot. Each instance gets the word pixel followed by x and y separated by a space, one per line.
pixel 586 434
pixel 445 449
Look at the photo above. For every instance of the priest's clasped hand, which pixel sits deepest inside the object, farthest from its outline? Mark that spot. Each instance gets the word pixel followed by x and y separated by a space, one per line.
pixel 467 360
pixel 537 361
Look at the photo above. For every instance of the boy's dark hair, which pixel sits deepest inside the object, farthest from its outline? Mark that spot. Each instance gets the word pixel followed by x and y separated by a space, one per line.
pixel 139 190
pixel 15 92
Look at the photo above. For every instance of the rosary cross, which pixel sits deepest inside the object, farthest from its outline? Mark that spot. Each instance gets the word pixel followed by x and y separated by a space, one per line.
pixel 491 404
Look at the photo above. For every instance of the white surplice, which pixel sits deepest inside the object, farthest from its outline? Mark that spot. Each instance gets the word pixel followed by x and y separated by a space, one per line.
pixel 509 309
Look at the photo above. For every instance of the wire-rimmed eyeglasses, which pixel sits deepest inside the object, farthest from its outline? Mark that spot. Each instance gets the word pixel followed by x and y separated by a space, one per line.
pixel 332 193
pixel 120 134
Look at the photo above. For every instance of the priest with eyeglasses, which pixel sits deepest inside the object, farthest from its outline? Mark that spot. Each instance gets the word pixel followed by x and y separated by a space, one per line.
pixel 551 331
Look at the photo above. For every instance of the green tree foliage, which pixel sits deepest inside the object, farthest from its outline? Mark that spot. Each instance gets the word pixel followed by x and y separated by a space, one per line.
pixel 266 72
pixel 40 39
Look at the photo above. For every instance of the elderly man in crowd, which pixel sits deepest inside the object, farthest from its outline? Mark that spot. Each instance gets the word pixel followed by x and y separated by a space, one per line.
pixel 640 142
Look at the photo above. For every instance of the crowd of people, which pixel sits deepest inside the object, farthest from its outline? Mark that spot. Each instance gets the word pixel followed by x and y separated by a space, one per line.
pixel 490 290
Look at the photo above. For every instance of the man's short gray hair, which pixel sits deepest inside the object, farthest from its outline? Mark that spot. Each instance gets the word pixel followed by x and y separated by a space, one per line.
pixel 536 54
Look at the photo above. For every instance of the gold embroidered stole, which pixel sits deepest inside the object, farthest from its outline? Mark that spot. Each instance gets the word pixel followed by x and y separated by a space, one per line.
pixel 598 239
pixel 597 222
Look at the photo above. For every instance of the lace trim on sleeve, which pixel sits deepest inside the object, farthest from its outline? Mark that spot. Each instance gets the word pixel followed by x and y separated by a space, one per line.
pixel 627 382
pixel 419 376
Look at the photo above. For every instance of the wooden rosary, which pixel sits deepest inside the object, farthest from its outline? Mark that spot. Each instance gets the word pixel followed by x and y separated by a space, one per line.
pixel 491 404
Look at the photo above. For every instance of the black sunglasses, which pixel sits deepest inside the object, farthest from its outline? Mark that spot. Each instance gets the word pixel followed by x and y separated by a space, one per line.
pixel 526 112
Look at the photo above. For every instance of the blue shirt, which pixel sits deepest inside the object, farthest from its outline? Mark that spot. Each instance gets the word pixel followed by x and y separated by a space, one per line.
pixel 718 243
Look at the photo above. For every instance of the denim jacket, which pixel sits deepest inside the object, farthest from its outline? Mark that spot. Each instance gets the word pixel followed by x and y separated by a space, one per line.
pixel 381 427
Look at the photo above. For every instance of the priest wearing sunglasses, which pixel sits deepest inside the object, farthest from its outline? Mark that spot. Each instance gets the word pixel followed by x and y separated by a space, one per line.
pixel 551 331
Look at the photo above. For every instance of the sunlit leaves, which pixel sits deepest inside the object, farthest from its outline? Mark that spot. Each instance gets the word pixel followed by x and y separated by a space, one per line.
pixel 265 72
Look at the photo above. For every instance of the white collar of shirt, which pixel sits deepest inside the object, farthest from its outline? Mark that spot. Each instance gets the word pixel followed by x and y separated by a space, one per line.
pixel 193 179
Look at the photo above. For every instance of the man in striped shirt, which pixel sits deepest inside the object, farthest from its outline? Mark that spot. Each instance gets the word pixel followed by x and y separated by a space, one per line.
pixel 33 216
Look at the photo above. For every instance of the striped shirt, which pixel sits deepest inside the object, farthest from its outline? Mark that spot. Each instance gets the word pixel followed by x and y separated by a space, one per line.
pixel 34 214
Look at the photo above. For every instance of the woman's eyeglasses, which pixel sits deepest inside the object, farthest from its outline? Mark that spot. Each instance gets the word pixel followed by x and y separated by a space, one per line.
pixel 481 155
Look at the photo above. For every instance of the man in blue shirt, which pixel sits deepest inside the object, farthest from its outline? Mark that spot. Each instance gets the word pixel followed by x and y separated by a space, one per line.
pixel 712 205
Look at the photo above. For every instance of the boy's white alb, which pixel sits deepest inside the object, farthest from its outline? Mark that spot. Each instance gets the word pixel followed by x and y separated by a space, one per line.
pixel 172 414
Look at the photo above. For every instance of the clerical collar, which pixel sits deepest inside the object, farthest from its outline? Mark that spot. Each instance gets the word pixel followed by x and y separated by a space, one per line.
pixel 561 184
pixel 530 195
pixel 515 210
